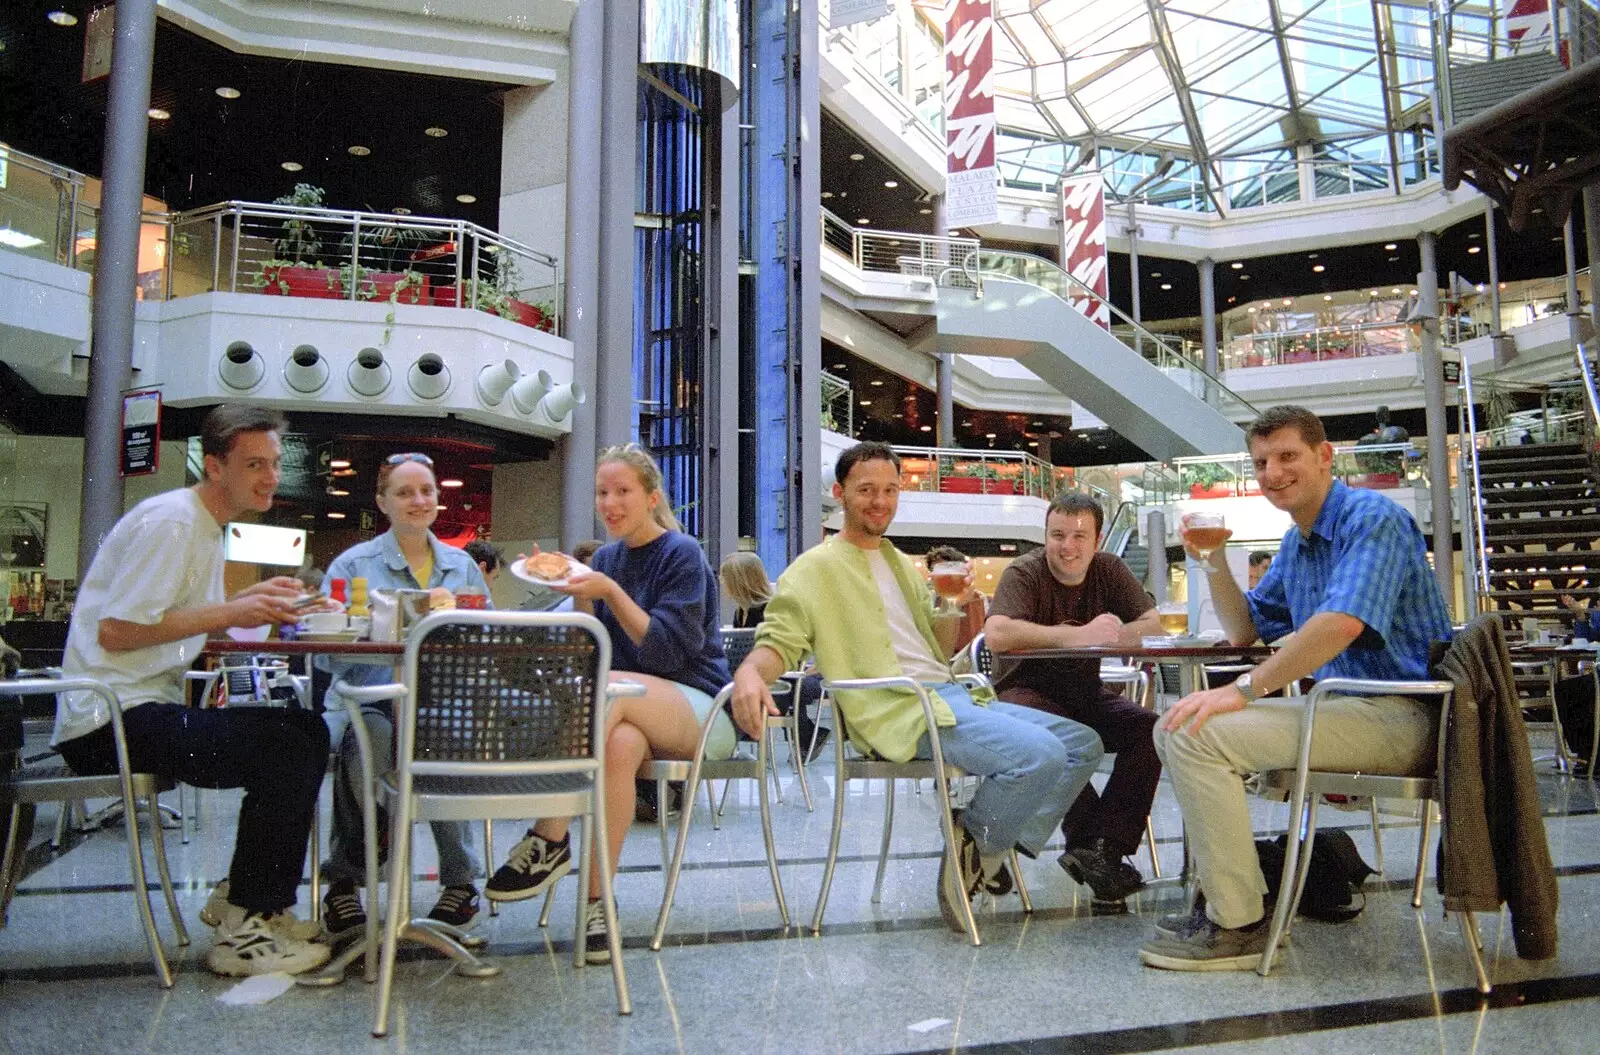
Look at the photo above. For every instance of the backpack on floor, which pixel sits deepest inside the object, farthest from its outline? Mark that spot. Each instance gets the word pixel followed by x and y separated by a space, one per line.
pixel 1334 880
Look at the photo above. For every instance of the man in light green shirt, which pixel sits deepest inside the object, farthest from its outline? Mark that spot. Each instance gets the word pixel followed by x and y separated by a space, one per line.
pixel 857 605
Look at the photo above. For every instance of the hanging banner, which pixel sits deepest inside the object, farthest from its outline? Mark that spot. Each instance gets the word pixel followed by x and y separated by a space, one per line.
pixel 98 33
pixel 1083 244
pixel 141 433
pixel 971 178
pixel 843 13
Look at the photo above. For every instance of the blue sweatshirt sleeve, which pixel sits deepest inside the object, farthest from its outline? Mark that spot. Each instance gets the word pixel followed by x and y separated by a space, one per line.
pixel 677 619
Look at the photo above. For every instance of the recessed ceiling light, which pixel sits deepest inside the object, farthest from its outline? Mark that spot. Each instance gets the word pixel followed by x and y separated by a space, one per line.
pixel 466 199
pixel 827 194
pixel 62 18
pixel 435 131
pixel 1251 309
pixel 1083 435
pixel 1395 290
pixel 1413 293
pixel 866 402
pixel 1474 249
pixel 927 428
pixel 1394 260
pixel 344 472
pixel 451 483
pixel 335 516
pixel 891 184
pixel 1311 256
pixel 1288 300
pixel 441 508
pixel 925 212
pixel 1319 268
pixel 228 93
pixel 1473 236
pixel 339 463
pixel 155 113
pixel 857 157
pixel 1033 443
pixel 1155 274
pixel 1372 293
pixel 1244 278
pixel 291 166
pixel 358 151
pixel 1166 285
pixel 308 516
pixel 1237 265
pixel 1327 296
pixel 1390 246
pixel 401 210
pixel 988 435
pixel 877 384
pixel 338 492
pixel 863 221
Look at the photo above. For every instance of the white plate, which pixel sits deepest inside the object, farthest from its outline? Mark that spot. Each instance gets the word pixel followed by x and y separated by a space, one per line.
pixel 516 568
pixel 328 635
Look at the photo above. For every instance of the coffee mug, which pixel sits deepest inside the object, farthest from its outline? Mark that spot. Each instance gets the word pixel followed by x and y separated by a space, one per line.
pixel 324 622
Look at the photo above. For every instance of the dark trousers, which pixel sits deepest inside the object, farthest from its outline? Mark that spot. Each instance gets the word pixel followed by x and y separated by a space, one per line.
pixel 277 755
pixel 1127 730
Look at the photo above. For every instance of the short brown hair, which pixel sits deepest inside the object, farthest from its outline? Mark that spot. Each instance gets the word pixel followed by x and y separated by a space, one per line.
pixel 1287 416
pixel 223 426
pixel 585 549
pixel 865 451
pixel 1073 503
pixel 940 554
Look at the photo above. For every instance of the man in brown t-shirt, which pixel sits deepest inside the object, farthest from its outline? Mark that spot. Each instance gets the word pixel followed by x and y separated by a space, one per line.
pixel 1069 595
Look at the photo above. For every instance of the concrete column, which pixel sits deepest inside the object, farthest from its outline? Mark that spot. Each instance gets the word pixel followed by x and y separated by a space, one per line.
pixel 1438 454
pixel 947 402
pixel 1133 273
pixel 116 273
pixel 1569 245
pixel 719 491
pixel 1155 544
pixel 1591 213
pixel 940 230
pixel 1490 248
pixel 582 264
pixel 614 412
pixel 1208 314
pixel 807 234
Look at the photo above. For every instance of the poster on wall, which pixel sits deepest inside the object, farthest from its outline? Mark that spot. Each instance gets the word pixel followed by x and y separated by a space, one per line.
pixel 98 34
pixel 843 13
pixel 1083 244
pixel 141 433
pixel 971 177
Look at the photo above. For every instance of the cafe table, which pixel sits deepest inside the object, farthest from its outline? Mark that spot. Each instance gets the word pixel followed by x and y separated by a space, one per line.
pixel 1550 661
pixel 1191 659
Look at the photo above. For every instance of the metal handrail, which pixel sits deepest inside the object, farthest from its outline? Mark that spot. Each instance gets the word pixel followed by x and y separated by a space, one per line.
pixel 973 272
pixel 1124 522
pixel 1035 469
pixel 1586 375
pixel 1469 443
pixel 894 252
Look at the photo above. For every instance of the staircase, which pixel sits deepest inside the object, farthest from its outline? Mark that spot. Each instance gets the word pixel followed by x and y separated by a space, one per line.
pixel 1541 526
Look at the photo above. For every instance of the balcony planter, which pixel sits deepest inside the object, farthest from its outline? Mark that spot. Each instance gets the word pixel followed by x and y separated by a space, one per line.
pixel 404 287
pixel 294 280
pixel 1375 481
pixel 1216 490
pixel 495 303
pixel 975 485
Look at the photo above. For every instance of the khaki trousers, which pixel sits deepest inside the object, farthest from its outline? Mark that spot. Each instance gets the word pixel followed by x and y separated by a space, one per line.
pixel 1389 735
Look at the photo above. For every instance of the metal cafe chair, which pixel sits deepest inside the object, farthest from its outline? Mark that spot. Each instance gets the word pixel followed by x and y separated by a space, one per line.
pixel 873 768
pixel 1305 785
pixel 51 781
pixel 503 715
pixel 700 768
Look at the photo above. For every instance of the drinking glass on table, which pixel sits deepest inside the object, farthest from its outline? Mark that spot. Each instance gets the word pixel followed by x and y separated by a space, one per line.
pixel 1206 531
pixel 949 580
pixel 1174 616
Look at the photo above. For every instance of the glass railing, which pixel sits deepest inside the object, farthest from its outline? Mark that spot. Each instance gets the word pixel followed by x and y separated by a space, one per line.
pixel 43 213
pixel 897 252
pixel 1042 273
pixel 1377 466
pixel 948 470
pixel 1353 341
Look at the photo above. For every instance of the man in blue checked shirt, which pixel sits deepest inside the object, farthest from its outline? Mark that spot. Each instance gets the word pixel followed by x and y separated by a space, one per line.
pixel 1352 582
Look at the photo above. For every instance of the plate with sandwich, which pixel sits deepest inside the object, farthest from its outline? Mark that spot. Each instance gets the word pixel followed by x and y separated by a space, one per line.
pixel 546 569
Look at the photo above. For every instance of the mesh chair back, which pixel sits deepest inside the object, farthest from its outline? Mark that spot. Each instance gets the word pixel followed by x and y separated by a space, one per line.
pixel 982 658
pixel 506 690
pixel 737 643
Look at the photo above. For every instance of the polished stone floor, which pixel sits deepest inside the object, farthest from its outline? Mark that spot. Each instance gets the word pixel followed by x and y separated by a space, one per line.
pixel 74 976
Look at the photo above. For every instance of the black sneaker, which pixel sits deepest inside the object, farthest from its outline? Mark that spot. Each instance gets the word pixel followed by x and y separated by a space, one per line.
pixel 1180 924
pixel 971 875
pixel 596 940
pixel 457 905
pixel 1101 869
pixel 1209 947
pixel 341 909
pixel 534 865
pixel 1001 883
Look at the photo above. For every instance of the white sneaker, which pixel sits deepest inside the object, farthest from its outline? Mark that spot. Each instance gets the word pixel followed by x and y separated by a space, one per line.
pixel 246 944
pixel 284 923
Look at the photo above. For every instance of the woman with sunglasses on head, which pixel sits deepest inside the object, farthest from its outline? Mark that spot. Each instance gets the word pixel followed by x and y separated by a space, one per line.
pixel 406 557
pixel 657 598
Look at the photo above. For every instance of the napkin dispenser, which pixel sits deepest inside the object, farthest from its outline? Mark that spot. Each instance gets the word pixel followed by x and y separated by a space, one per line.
pixel 395 612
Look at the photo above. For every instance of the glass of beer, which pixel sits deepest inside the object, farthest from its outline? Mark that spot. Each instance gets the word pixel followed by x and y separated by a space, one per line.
pixel 949 579
pixel 1206 531
pixel 1174 616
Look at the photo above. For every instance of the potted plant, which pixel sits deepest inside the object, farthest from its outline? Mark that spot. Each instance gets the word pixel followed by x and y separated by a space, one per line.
pixel 497 296
pixel 1208 480
pixel 387 274
pixel 287 273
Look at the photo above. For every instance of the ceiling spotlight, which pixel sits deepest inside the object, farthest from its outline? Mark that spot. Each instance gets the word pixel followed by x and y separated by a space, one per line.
pixel 1395 290
pixel 1372 293
pixel 927 428
pixel 863 221
pixel 1473 236
pixel 1155 274
pixel 338 492
pixel 891 184
pixel 1413 293
pixel 1244 278
pixel 450 483
pixel 1319 268
pixel 988 435
pixel 877 384
pixel 827 194
pixel 358 151
pixel 1288 300
pixel 335 516
pixel 1390 246
pixel 435 132
pixel 866 402
pixel 400 210
pixel 1251 309
pixel 1311 256
pixel 1166 285
pixel 1327 296
pixel 228 93
pixel 62 18
pixel 339 463
pixel 291 166
pixel 1394 260
pixel 440 508
pixel 1237 265
pixel 466 199
pixel 858 157
pixel 925 212
pixel 155 113
pixel 1474 249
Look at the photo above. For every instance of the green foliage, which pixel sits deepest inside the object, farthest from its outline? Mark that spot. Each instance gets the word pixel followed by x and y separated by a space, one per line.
pixel 300 242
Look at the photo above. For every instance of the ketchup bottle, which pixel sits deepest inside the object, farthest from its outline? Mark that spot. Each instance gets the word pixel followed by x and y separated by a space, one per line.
pixel 336 590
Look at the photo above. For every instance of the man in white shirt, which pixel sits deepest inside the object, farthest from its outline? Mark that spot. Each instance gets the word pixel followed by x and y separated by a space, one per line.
pixel 150 598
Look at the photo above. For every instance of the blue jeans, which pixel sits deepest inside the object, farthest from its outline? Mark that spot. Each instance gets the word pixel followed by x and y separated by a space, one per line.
pixel 1033 763
pixel 346 853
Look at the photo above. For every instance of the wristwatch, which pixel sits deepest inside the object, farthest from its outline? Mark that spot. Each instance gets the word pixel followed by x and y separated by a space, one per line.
pixel 1246 689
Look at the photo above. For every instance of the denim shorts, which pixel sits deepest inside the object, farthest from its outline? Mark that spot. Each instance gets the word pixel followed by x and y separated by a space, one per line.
pixel 722 741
